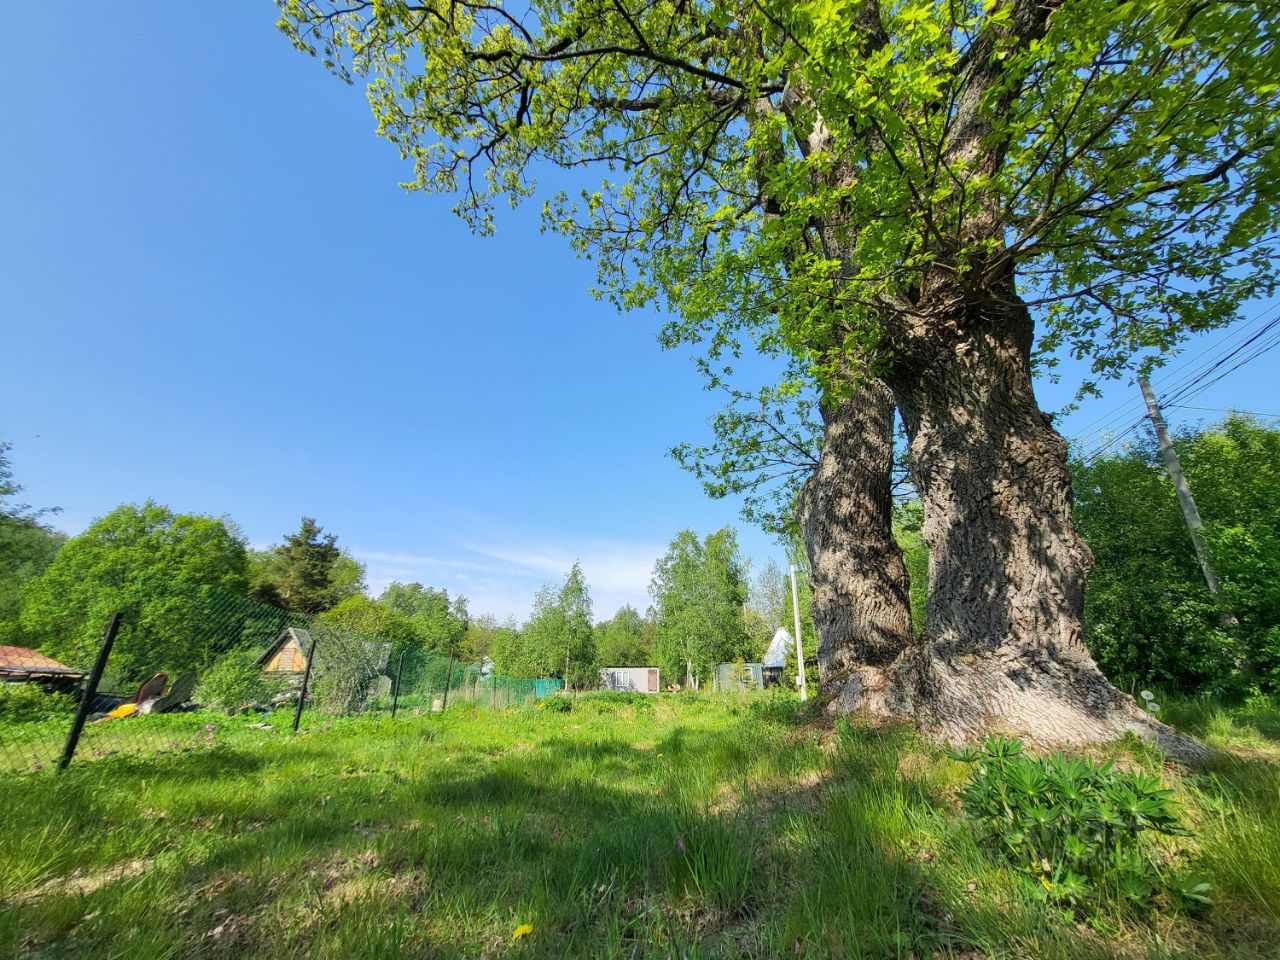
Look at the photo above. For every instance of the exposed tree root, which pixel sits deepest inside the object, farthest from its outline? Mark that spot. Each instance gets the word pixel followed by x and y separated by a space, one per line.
pixel 1049 702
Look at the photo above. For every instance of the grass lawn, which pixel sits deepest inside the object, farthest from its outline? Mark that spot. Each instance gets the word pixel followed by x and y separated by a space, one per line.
pixel 679 826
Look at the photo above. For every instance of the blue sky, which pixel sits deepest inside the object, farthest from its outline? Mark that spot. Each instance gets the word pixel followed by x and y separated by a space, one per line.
pixel 213 293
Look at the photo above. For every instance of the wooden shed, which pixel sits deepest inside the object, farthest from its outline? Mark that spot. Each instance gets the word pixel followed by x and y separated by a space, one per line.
pixel 288 652
pixel 738 676
pixel 631 679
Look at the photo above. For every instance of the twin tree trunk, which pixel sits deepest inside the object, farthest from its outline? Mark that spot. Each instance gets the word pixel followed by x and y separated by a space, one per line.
pixel 861 595
pixel 1003 649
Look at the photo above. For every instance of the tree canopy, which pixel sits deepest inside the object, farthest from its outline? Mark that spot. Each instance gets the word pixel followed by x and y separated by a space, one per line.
pixel 440 623
pixel 308 572
pixel 625 640
pixel 1149 615
pixel 149 563
pixel 699 591
pixel 793 173
pixel 557 640
pixel 27 546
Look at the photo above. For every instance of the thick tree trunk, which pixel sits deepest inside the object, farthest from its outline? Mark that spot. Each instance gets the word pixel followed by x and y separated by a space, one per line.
pixel 861 597
pixel 1004 648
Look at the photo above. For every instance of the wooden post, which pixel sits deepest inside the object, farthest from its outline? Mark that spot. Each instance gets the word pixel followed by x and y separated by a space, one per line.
pixel 90 690
pixel 1173 465
pixel 306 677
pixel 395 692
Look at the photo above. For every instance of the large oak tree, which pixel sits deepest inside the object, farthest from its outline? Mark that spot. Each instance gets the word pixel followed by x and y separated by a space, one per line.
pixel 891 195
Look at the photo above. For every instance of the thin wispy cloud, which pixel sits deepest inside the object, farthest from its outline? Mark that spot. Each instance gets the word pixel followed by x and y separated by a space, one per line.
pixel 502 577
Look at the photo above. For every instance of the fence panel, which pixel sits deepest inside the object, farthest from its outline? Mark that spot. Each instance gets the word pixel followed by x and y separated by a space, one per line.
pixel 219 669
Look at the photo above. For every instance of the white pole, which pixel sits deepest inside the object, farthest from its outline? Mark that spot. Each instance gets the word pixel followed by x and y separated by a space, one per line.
pixel 795 603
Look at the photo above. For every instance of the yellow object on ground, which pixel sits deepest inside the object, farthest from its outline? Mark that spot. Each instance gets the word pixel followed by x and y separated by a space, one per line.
pixel 124 710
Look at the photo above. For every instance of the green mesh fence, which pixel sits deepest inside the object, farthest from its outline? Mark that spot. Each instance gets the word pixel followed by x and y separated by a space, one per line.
pixel 206 668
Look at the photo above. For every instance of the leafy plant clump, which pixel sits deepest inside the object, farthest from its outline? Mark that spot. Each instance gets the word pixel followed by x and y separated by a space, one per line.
pixel 28 703
pixel 1082 833
pixel 237 682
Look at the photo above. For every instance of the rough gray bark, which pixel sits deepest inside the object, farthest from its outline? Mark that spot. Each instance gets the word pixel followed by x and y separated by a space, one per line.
pixel 1004 648
pixel 861 597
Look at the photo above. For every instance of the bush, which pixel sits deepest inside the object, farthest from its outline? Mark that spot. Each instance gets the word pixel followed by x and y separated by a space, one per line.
pixel 28 703
pixel 236 682
pixel 557 703
pixel 1082 833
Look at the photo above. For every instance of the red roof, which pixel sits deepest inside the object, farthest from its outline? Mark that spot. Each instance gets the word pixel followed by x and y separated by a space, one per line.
pixel 20 660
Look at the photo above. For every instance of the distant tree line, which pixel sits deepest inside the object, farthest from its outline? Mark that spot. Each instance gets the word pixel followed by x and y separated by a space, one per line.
pixel 1149 617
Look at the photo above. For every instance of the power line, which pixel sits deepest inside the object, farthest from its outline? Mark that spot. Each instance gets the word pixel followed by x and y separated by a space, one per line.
pixel 1191 368
pixel 1255 348
pixel 1247 413
pixel 1196 374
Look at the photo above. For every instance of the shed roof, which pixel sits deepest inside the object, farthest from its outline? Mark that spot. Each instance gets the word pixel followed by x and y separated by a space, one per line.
pixel 779 647
pixel 302 637
pixel 23 661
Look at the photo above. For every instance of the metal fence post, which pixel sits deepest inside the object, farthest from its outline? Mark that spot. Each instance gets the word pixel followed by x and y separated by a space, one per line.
pixel 306 677
pixel 395 693
pixel 90 690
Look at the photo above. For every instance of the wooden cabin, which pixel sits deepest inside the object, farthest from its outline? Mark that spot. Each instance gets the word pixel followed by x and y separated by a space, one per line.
pixel 288 652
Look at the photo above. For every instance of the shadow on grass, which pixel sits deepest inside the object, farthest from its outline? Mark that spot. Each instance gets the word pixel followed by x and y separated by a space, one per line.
pixel 728 842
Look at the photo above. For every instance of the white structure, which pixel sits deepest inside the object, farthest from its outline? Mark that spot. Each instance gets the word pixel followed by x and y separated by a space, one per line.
pixel 632 679
pixel 779 647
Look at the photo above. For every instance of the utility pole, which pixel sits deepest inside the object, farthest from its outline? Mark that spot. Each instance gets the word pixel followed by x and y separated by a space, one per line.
pixel 795 604
pixel 1189 512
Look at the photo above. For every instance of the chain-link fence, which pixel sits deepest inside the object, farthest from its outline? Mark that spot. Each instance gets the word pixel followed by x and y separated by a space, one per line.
pixel 216 668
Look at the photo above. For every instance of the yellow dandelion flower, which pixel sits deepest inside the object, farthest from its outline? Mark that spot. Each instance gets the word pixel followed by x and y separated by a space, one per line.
pixel 522 931
pixel 1047 884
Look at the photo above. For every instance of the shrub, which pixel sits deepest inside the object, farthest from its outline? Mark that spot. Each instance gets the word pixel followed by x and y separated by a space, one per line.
pixel 557 703
pixel 1081 832
pixel 236 682
pixel 616 698
pixel 28 702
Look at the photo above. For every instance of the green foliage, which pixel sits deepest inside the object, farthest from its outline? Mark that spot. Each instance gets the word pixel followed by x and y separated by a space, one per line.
pixel 154 566
pixel 699 588
pixel 439 623
pixel 557 636
pixel 791 179
pixel 606 701
pixel 30 703
pixel 346 661
pixel 307 573
pixel 1081 832
pixel 1149 617
pixel 625 640
pixel 237 682
pixel 908 522
pixel 556 704
pixel 27 547
pixel 478 640
pixel 374 617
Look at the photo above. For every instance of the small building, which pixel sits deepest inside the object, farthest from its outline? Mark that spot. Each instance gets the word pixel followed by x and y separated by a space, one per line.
pixel 738 676
pixel 630 679
pixel 288 652
pixel 22 665
pixel 775 658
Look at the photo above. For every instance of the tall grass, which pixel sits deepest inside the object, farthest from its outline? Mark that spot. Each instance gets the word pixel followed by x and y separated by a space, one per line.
pixel 663 827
